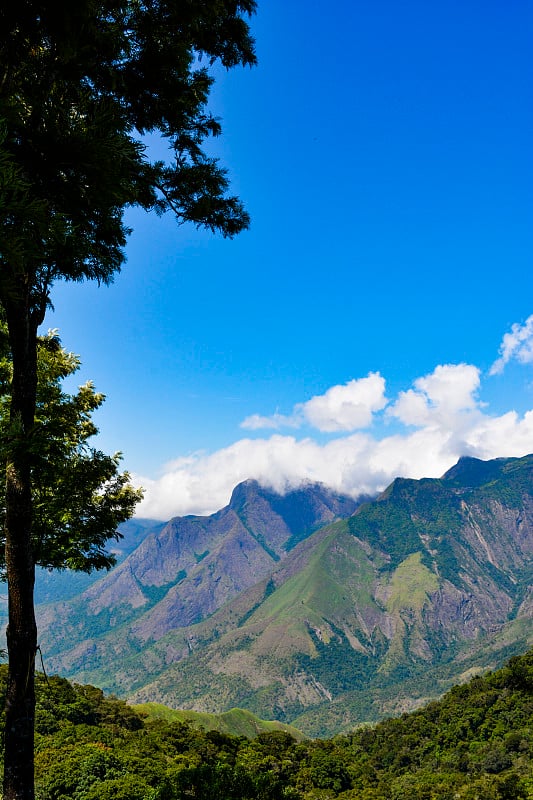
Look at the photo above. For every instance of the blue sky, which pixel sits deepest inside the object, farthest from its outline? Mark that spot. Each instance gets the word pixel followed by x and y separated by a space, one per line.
pixel 384 153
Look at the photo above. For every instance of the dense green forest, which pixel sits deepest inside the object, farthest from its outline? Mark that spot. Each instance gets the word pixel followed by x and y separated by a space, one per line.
pixel 474 744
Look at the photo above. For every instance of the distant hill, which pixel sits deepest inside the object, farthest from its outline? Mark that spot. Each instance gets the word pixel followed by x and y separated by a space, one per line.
pixel 58 586
pixel 235 722
pixel 367 616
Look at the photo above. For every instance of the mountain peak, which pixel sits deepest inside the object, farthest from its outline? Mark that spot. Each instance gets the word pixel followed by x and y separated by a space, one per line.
pixel 470 471
pixel 243 492
pixel 301 509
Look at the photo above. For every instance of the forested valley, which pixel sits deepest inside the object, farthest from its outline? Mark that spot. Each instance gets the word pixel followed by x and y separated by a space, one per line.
pixel 474 744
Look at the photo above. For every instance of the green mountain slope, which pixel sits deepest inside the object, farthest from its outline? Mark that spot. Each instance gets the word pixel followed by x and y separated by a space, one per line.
pixel 374 614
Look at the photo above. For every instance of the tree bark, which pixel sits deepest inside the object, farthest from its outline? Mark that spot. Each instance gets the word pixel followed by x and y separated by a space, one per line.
pixel 20 567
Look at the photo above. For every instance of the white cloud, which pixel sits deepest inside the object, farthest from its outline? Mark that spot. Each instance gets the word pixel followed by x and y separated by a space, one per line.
pixel 443 419
pixel 347 407
pixel 256 422
pixel 518 344
pixel 439 398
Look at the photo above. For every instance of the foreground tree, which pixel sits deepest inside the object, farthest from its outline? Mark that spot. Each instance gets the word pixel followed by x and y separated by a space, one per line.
pixel 81 84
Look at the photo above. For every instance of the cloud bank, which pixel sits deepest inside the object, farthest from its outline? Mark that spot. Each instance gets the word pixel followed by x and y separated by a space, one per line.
pixel 420 433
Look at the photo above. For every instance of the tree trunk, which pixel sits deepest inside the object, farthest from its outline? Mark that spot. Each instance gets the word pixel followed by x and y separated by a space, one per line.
pixel 20 567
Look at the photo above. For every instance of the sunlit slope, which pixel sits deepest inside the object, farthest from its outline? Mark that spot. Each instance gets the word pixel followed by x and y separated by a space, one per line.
pixel 236 722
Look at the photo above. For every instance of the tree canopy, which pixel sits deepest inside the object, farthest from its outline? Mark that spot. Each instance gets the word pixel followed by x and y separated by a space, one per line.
pixel 81 84
pixel 473 744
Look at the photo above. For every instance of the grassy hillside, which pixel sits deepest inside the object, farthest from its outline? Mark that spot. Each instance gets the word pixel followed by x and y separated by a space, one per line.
pixel 236 722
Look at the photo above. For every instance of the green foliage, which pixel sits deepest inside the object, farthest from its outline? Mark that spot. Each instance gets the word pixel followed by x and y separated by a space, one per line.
pixel 505 480
pixel 430 515
pixel 474 744
pixel 270 588
pixel 156 593
pixel 337 665
pixel 79 495
pixel 407 510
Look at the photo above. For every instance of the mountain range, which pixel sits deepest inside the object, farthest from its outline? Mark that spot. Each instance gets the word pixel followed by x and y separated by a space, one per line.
pixel 310 607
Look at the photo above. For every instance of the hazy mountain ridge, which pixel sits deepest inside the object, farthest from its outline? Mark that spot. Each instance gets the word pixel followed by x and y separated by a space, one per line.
pixel 415 589
pixel 53 587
